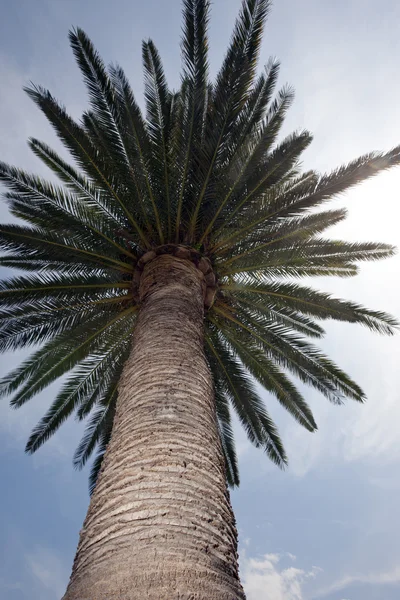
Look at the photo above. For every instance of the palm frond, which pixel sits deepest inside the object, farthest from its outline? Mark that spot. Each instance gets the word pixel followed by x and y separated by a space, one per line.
pixel 278 164
pixel 91 204
pixel 248 405
pixel 253 155
pixel 60 355
pixel 294 353
pixel 255 218
pixel 94 375
pixel 31 328
pixel 269 375
pixel 158 101
pixel 85 153
pixel 57 286
pixel 96 427
pixel 22 262
pixel 231 90
pixel 98 461
pixel 37 243
pixel 195 92
pixel 313 303
pixel 138 143
pixel 226 434
pixel 279 315
pixel 337 182
pixel 254 109
pixel 285 233
pixel 298 253
pixel 108 120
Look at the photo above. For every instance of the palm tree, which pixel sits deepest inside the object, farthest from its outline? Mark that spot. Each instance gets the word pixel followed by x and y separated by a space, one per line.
pixel 165 281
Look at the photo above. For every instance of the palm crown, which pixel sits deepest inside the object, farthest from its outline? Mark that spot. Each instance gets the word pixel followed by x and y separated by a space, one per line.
pixel 202 176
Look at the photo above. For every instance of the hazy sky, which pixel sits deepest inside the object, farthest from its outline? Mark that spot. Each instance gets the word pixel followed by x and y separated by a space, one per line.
pixel 327 528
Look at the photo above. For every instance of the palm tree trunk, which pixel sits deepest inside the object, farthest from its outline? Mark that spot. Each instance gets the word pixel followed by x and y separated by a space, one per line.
pixel 160 525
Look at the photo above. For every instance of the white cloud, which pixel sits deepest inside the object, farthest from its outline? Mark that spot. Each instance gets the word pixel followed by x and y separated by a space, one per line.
pixel 385 577
pixel 264 578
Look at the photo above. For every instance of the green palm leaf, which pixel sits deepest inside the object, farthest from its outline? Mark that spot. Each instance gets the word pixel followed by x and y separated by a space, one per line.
pixel 248 405
pixel 231 90
pixel 98 461
pixel 313 303
pixel 226 434
pixel 94 431
pixel 158 102
pixel 63 353
pixel 190 128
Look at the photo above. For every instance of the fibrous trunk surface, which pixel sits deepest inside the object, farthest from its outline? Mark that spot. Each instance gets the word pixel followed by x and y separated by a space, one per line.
pixel 160 525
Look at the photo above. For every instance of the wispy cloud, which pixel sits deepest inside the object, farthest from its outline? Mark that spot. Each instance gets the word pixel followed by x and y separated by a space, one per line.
pixel 265 578
pixel 385 577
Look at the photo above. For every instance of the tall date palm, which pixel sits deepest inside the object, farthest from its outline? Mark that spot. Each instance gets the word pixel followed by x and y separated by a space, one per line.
pixel 164 281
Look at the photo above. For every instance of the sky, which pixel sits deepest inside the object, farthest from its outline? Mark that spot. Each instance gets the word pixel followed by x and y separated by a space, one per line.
pixel 328 527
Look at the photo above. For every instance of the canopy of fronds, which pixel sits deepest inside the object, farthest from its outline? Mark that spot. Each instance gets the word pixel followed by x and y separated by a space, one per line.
pixel 203 167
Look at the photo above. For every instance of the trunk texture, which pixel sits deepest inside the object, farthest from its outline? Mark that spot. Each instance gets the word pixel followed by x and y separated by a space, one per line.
pixel 160 525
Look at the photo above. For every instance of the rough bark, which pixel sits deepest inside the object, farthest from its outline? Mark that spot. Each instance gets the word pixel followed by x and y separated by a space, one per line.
pixel 160 525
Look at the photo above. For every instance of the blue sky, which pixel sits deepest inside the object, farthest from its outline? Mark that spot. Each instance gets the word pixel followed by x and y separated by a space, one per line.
pixel 327 528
